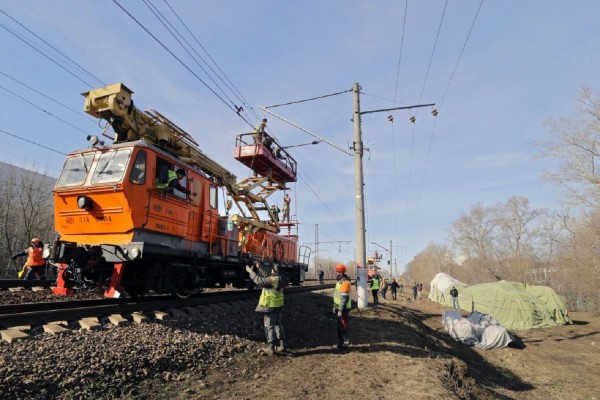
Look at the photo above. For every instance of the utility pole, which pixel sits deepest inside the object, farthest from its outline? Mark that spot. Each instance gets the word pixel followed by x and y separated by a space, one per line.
pixel 391 260
pixel 361 255
pixel 317 248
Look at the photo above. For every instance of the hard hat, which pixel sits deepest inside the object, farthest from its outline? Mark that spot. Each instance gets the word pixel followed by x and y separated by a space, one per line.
pixel 35 240
pixel 340 268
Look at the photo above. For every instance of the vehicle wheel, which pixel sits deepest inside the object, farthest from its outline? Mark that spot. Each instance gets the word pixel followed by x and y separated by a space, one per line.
pixel 182 286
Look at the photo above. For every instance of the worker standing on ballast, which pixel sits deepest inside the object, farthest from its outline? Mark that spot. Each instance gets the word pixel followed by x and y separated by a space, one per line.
pixel 341 306
pixel 270 304
pixel 34 266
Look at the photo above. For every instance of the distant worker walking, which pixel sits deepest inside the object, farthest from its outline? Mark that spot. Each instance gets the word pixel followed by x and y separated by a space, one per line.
pixel 454 294
pixel 270 304
pixel 375 288
pixel 384 287
pixel 394 288
pixel 321 275
pixel 286 208
pixel 341 306
pixel 34 266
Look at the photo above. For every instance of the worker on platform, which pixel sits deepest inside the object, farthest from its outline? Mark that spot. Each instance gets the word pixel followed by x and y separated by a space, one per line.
pixel 34 266
pixel 286 208
pixel 275 212
pixel 270 304
pixel 173 178
pixel 341 306
pixel 259 131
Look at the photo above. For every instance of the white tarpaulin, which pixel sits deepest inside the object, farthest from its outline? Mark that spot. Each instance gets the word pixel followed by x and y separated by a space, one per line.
pixel 477 330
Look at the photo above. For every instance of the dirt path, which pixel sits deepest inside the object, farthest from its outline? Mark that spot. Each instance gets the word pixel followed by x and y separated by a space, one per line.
pixel 400 350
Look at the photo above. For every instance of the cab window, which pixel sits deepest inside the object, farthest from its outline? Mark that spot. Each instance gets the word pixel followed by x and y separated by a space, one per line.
pixel 75 170
pixel 111 166
pixel 163 167
pixel 138 172
pixel 213 196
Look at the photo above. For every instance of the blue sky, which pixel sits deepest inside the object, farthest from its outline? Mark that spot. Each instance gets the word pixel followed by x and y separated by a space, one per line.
pixel 524 61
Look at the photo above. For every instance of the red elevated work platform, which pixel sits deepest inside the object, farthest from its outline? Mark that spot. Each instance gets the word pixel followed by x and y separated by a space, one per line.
pixel 265 157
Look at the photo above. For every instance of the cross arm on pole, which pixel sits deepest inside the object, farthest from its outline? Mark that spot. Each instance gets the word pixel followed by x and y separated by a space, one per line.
pixel 397 108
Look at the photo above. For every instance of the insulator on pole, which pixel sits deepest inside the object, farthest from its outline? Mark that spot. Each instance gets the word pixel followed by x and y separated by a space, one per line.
pixel 390 118
pixel 434 112
pixel 413 119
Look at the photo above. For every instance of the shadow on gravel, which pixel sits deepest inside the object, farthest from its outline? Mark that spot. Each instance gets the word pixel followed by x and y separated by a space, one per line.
pixel 311 330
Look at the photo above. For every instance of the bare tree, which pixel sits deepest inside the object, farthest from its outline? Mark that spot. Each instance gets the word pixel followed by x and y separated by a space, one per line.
pixel 576 145
pixel 25 209
pixel 474 234
pixel 517 236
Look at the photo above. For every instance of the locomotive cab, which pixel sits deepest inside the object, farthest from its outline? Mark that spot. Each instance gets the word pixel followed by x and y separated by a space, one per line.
pixel 129 222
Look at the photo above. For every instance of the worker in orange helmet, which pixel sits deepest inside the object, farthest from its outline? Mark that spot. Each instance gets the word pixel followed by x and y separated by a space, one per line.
pixel 341 306
pixel 34 267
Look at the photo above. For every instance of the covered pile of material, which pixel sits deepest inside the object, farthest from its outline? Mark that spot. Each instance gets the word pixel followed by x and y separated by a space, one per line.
pixel 477 330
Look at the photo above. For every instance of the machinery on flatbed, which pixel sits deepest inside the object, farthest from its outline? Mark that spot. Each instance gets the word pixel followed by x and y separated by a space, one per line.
pixel 123 225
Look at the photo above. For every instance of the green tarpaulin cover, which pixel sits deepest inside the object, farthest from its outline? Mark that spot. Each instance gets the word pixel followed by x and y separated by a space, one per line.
pixel 515 305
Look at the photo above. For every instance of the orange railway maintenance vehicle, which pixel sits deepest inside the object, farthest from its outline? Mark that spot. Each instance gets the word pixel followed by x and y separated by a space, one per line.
pixel 122 227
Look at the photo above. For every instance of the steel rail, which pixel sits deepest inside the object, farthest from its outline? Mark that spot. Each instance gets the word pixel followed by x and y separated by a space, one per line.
pixel 13 283
pixel 11 316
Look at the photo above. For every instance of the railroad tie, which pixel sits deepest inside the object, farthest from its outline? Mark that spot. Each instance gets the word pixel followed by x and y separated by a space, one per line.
pixel 89 323
pixel 138 318
pixel 37 289
pixel 161 316
pixel 10 335
pixel 117 320
pixel 54 328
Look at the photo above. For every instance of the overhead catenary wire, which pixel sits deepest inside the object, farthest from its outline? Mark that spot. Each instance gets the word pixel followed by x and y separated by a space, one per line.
pixel 172 30
pixel 440 105
pixel 32 142
pixel 306 130
pixel 461 53
pixel 311 99
pixel 48 97
pixel 41 109
pixel 179 60
pixel 233 88
pixel 54 48
pixel 45 55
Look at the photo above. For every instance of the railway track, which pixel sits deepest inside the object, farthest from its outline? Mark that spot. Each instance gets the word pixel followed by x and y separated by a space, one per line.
pixel 16 319
pixel 20 283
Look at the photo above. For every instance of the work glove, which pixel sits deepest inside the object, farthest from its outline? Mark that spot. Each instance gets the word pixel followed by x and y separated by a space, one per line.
pixel 248 268
pixel 334 310
pixel 339 313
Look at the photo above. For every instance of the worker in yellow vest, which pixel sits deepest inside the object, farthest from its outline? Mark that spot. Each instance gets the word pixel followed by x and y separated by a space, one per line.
pixel 375 282
pixel 270 305
pixel 341 306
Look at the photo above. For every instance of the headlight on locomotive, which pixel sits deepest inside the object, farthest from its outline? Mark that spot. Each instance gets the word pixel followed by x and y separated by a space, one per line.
pixel 135 253
pixel 84 202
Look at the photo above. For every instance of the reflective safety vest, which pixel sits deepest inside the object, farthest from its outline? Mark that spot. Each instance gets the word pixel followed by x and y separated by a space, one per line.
pixel 171 176
pixel 34 257
pixel 272 297
pixel 375 284
pixel 337 294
